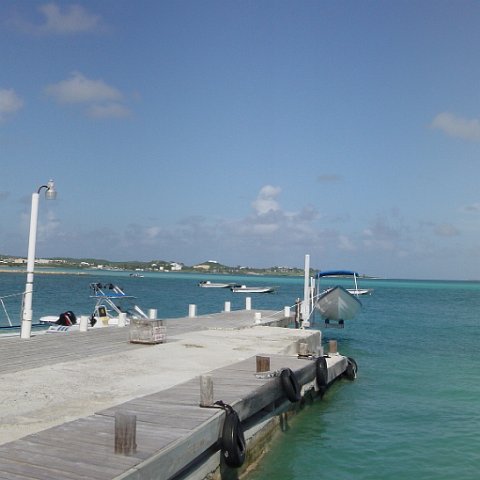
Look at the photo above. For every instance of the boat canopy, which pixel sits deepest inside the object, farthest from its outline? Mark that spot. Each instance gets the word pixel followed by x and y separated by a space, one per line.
pixel 336 273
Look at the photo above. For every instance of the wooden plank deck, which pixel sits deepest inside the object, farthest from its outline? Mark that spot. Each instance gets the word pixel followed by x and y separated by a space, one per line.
pixel 172 429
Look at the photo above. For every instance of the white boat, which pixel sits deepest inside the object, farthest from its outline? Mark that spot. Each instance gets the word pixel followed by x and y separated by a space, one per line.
pixel 338 303
pixel 245 289
pixel 360 291
pixel 110 302
pixel 209 284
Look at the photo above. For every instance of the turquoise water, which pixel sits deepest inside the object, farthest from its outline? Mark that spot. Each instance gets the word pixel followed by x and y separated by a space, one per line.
pixel 412 413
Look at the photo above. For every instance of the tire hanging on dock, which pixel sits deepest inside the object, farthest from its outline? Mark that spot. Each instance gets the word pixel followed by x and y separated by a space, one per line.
pixel 351 370
pixel 321 373
pixel 290 385
pixel 233 439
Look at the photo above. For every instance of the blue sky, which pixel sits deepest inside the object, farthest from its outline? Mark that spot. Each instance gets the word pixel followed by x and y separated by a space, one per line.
pixel 247 132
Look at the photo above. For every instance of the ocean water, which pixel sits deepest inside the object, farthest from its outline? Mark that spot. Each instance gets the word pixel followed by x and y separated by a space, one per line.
pixel 412 413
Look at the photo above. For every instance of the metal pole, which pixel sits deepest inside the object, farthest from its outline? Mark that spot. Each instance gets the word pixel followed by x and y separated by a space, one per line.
pixel 27 302
pixel 306 291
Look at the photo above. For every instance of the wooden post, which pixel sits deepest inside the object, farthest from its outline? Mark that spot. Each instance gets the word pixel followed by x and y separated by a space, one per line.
pixel 332 347
pixel 125 433
pixel 206 390
pixel 263 364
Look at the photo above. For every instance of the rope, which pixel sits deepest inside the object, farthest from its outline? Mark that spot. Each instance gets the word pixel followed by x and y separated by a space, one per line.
pixel 12 295
pixel 5 308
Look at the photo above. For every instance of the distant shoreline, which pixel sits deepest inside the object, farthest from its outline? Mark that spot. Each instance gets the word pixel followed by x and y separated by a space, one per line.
pixel 40 272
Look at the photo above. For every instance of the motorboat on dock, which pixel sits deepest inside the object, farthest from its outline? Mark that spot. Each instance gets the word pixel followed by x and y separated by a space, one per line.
pixel 246 289
pixel 337 303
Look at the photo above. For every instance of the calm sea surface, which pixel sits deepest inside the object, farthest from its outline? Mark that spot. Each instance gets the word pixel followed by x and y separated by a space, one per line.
pixel 412 413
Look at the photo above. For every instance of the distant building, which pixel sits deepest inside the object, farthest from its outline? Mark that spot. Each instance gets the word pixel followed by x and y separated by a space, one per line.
pixel 202 266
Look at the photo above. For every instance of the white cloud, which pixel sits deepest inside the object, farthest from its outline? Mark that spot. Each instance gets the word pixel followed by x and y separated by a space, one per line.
pixel 80 89
pixel 266 200
pixel 101 100
pixel 468 129
pixel 10 103
pixel 346 243
pixel 383 236
pixel 55 20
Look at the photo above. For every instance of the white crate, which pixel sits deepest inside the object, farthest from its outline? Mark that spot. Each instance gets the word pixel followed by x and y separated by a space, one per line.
pixel 147 331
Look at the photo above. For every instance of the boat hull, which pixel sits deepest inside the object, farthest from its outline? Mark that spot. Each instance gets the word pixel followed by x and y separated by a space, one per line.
pixel 337 304
pixel 208 284
pixel 245 289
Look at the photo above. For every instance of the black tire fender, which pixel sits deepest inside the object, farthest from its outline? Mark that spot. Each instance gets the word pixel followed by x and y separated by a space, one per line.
pixel 321 372
pixel 290 385
pixel 351 370
pixel 233 440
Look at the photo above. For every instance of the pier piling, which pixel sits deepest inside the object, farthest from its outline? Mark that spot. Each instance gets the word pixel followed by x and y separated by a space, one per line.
pixel 125 433
pixel 206 391
pixel 262 364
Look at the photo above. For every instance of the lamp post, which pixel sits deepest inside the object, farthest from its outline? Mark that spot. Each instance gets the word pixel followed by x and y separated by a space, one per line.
pixel 50 194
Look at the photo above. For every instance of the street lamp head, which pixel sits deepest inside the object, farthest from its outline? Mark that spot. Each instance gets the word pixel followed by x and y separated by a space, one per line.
pixel 50 192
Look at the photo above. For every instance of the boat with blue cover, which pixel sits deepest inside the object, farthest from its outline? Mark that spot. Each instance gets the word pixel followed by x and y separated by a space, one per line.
pixel 337 303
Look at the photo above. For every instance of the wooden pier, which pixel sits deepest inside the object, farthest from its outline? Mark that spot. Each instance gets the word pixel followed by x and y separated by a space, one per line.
pixel 174 436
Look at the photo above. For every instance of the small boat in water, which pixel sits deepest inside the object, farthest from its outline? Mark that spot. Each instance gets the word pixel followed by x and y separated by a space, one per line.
pixel 209 284
pixel 360 291
pixel 337 303
pixel 245 289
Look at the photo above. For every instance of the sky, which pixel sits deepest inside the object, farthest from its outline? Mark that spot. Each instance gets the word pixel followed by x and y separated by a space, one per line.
pixel 247 132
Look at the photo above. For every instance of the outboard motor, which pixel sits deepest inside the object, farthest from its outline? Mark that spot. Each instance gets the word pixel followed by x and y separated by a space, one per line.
pixel 67 319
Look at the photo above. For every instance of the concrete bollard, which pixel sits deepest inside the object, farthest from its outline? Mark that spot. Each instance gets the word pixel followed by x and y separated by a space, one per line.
pixel 125 433
pixel 227 306
pixel 258 317
pixel 83 323
pixel 152 313
pixel 286 312
pixel 192 310
pixel 206 390
pixel 122 319
pixel 332 347
pixel 262 364
pixel 248 303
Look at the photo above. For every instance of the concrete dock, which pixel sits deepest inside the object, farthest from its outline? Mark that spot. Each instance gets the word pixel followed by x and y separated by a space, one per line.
pixel 60 394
